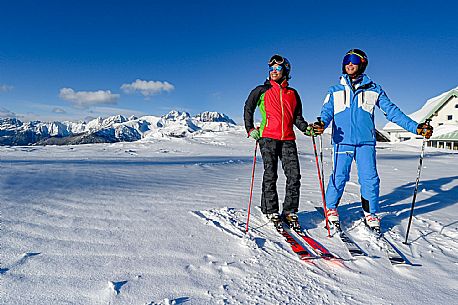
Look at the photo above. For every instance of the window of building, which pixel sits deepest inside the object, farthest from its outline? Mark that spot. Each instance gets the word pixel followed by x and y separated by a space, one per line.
pixel 456 106
pixel 440 124
pixel 449 117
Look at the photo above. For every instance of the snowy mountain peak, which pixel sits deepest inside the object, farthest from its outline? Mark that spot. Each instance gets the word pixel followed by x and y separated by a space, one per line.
pixel 8 123
pixel 114 119
pixel 100 123
pixel 212 116
pixel 175 115
pixel 177 124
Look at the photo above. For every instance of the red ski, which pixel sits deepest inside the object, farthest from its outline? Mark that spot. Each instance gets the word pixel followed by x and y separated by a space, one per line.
pixel 320 251
pixel 295 246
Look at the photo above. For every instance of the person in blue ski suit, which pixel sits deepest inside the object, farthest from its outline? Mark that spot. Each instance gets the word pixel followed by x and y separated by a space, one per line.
pixel 349 106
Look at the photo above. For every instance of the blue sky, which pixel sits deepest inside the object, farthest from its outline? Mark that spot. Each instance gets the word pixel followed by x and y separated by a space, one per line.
pixel 72 60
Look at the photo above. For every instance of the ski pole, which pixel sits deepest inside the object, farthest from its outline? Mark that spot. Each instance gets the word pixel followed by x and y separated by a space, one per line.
pixel 416 185
pixel 321 186
pixel 251 187
pixel 320 140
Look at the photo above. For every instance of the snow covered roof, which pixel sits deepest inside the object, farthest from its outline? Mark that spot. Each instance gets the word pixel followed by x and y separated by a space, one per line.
pixel 428 109
pixel 447 136
pixel 449 132
pixel 445 132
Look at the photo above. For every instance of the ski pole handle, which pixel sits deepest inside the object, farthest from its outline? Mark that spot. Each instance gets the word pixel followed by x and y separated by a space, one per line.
pixel 427 123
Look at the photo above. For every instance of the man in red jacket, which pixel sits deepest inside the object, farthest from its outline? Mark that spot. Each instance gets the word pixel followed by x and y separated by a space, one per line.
pixel 281 108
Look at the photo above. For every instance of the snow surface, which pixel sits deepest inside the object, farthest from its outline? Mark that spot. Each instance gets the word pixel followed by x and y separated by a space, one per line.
pixel 162 222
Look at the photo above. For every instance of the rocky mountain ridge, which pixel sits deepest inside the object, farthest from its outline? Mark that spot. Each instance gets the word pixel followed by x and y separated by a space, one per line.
pixel 111 129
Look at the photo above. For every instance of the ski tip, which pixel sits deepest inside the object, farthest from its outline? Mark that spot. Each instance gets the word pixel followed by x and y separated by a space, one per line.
pixel 358 253
pixel 400 263
pixel 309 257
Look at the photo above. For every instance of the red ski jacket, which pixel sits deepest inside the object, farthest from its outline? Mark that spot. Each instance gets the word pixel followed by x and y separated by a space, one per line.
pixel 280 108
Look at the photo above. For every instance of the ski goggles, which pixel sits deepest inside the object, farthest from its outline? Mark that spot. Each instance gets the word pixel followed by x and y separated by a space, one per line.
pixel 277 68
pixel 276 59
pixel 353 58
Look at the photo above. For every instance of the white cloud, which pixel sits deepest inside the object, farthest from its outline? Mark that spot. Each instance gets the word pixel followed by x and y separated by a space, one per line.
pixel 58 110
pixel 5 88
pixel 86 99
pixel 147 88
pixel 5 113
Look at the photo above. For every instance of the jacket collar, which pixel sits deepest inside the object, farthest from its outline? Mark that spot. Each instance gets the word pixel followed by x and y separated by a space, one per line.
pixel 346 81
pixel 274 84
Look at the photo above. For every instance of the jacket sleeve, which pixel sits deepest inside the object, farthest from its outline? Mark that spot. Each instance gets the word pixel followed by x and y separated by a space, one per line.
pixel 327 110
pixel 250 107
pixel 299 120
pixel 394 114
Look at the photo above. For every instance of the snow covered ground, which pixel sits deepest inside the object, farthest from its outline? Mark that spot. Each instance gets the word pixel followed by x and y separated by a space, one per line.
pixel 162 222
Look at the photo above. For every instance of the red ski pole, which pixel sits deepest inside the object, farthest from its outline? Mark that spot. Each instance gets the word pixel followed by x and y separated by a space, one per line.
pixel 321 186
pixel 251 187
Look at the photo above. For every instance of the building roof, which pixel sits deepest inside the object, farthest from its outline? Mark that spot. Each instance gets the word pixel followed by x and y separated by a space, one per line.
pixel 428 109
pixel 448 136
pixel 445 132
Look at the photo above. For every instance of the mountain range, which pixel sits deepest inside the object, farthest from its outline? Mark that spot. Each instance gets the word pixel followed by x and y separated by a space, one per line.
pixel 112 129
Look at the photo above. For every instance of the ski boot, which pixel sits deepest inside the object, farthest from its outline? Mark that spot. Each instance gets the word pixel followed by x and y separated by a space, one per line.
pixel 292 220
pixel 276 221
pixel 372 221
pixel 333 219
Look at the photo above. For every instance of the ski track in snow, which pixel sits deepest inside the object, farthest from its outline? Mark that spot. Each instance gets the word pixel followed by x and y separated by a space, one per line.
pixel 141 223
pixel 265 281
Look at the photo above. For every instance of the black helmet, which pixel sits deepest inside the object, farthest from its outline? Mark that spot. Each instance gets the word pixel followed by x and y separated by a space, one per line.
pixel 357 57
pixel 282 61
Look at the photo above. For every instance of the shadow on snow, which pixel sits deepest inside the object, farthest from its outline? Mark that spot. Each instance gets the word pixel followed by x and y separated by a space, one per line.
pixel 396 204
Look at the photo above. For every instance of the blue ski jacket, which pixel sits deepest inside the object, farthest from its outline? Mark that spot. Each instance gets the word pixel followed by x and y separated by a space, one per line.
pixel 352 111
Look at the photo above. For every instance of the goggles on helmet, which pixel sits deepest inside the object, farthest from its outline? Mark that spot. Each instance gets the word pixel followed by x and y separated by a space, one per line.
pixel 353 58
pixel 276 59
pixel 277 68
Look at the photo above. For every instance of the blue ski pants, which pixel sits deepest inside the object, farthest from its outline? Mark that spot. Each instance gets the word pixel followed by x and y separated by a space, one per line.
pixel 364 156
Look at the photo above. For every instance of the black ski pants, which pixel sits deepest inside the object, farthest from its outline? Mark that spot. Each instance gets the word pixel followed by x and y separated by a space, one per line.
pixel 285 151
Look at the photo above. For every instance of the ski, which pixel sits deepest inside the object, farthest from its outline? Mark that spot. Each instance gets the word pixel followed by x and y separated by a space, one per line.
pixel 319 250
pixel 352 247
pixel 295 246
pixel 391 251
